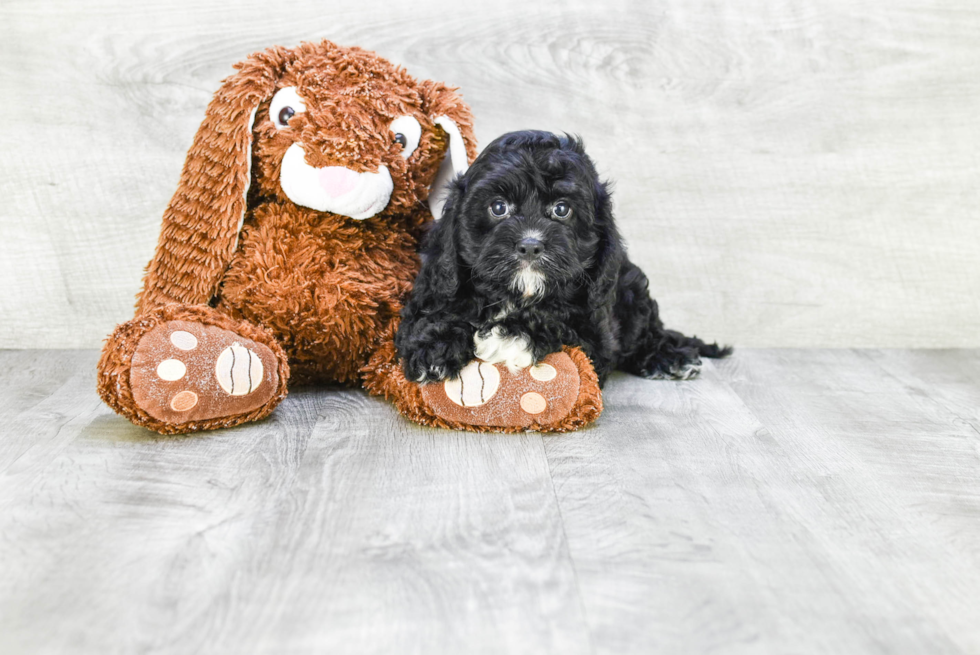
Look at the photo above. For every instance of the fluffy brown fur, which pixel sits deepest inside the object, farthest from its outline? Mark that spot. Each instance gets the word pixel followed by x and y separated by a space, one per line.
pixel 323 291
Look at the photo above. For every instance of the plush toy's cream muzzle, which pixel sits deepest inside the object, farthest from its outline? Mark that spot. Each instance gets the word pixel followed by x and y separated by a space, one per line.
pixel 334 189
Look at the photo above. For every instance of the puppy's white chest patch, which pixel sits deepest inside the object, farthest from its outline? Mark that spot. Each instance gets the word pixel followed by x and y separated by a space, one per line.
pixel 495 348
pixel 528 282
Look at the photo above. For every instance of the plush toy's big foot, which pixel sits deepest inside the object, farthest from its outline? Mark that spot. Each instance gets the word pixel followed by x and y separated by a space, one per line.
pixel 490 395
pixel 184 368
pixel 185 371
pixel 559 394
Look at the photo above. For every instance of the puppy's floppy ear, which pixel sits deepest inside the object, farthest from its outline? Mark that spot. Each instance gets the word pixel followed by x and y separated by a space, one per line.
pixel 604 272
pixel 439 278
pixel 452 115
pixel 201 224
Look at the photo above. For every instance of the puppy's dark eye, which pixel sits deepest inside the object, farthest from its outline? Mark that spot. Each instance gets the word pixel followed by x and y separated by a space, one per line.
pixel 401 139
pixel 561 210
pixel 498 208
pixel 285 114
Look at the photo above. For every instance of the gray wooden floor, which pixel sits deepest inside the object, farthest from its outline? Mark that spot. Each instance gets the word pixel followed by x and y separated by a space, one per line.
pixel 790 501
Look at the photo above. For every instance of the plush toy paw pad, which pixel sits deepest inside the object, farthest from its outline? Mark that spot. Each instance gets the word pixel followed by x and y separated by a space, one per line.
pixel 490 395
pixel 183 401
pixel 476 384
pixel 543 372
pixel 171 370
pixel 238 370
pixel 184 371
pixel 533 403
pixel 183 340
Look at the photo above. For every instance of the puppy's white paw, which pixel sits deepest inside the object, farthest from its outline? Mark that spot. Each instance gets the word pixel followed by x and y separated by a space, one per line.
pixel 432 374
pixel 495 348
pixel 688 371
pixel 680 371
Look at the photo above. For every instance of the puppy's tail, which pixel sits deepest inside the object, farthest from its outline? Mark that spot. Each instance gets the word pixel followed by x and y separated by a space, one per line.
pixel 711 350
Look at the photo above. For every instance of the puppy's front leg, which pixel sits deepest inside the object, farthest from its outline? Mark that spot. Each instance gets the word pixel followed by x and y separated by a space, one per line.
pixel 497 346
pixel 433 350
pixel 518 344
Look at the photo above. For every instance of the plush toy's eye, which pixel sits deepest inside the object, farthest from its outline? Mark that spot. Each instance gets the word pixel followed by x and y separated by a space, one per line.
pixel 285 104
pixel 561 209
pixel 408 133
pixel 498 208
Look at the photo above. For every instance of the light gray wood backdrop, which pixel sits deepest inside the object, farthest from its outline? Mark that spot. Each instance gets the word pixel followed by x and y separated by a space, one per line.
pixel 794 173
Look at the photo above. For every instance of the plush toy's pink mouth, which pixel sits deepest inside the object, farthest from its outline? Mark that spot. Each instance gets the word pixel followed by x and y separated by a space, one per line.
pixel 334 189
pixel 337 180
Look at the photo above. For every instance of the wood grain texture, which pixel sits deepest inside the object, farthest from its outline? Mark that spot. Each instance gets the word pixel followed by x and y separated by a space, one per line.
pixel 789 501
pixel 948 377
pixel 788 173
pixel 893 503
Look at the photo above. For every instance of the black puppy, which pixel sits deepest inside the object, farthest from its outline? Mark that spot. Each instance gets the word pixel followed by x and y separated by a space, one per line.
pixel 527 259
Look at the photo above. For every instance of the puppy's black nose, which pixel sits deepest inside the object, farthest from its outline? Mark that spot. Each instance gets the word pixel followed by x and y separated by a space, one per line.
pixel 530 248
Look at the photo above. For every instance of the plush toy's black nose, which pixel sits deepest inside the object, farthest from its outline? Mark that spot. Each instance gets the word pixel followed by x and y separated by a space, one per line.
pixel 530 249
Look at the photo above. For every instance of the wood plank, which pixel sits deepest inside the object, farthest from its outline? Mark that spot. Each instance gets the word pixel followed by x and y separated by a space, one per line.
pixel 46 398
pixel 898 475
pixel 949 377
pixel 789 517
pixel 29 377
pixel 335 526
pixel 793 173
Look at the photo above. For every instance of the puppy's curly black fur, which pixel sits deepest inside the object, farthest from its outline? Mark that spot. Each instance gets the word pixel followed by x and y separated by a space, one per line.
pixel 527 253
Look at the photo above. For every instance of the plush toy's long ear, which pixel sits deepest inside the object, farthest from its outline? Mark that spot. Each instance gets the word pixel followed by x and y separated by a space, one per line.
pixel 453 116
pixel 455 163
pixel 201 224
pixel 439 278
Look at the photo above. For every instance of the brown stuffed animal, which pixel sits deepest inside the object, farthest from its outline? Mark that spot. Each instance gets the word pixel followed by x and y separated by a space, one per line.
pixel 289 246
